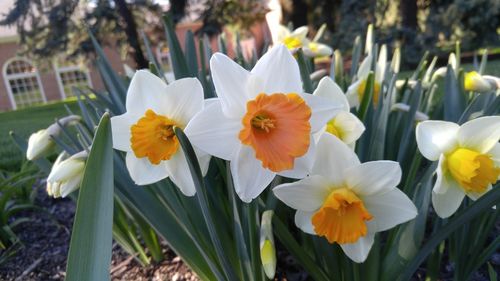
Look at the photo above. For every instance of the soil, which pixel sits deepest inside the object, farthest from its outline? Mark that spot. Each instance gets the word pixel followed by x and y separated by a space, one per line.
pixel 46 242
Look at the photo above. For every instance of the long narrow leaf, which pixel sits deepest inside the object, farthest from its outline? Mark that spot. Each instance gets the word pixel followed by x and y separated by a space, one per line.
pixel 89 255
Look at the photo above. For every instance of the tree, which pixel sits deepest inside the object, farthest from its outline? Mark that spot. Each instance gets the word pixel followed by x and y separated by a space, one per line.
pixel 49 28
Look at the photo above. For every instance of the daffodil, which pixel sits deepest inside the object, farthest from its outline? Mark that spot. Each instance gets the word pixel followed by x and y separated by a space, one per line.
pixel 469 159
pixel 66 174
pixel 473 81
pixel 146 130
pixel 41 142
pixel 344 125
pixel 263 122
pixel 356 91
pixel 345 201
pixel 298 39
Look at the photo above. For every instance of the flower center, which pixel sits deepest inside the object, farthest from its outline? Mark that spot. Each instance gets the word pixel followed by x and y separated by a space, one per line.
pixel 362 88
pixel 277 127
pixel 292 42
pixel 263 122
pixel 334 129
pixel 153 137
pixel 342 217
pixel 472 170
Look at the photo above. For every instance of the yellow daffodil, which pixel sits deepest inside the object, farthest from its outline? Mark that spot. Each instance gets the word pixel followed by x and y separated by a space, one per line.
pixel 345 201
pixel 298 39
pixel 356 91
pixel 146 130
pixel 66 174
pixel 263 122
pixel 40 143
pixel 344 125
pixel 469 159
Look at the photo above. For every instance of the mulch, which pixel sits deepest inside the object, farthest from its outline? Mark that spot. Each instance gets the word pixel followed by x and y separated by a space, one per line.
pixel 46 242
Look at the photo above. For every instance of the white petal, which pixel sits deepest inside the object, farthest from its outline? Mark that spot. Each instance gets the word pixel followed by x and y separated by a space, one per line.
pixel 184 98
pixel 389 209
pixel 282 33
pixel 307 194
pixel 358 252
pixel 304 222
pixel 249 177
pixel 447 203
pixel 278 71
pixel 322 110
pixel 351 127
pixel 495 154
pixel 178 171
pixel 364 68
pixel 69 186
pixel 120 130
pixel 302 165
pixel 230 80
pixel 332 158
pixel 373 177
pixel 480 134
pixel 300 32
pixel 435 138
pixel 352 94
pixel 204 160
pixel 213 133
pixel 442 181
pixel 327 88
pixel 146 91
pixel 142 171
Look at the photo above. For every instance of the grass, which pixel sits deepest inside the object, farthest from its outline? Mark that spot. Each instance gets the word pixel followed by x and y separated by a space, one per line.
pixel 24 122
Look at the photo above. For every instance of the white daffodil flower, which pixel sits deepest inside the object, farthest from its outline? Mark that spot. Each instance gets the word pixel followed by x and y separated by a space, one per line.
pixel 345 201
pixel 66 174
pixel 298 39
pixel 146 130
pixel 356 91
pixel 263 122
pixel 40 143
pixel 469 159
pixel 474 82
pixel 344 125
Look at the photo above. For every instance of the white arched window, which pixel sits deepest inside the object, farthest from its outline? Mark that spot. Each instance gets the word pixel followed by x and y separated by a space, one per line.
pixel 70 77
pixel 23 83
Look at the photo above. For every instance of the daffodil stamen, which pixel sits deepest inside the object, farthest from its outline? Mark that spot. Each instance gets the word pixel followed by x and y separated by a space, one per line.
pixel 266 128
pixel 153 137
pixel 263 122
pixel 342 217
pixel 472 170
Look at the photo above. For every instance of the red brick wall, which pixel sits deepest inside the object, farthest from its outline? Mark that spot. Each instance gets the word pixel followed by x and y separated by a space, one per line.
pixel 48 75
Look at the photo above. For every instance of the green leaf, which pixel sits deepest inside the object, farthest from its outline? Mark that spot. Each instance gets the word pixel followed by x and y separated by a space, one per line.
pixel 89 255
pixel 194 168
pixel 481 205
pixel 179 63
pixel 191 55
pixel 305 72
pixel 454 101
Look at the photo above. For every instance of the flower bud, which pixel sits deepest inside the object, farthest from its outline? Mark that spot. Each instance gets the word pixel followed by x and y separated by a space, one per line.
pixel 66 174
pixel 473 81
pixel 267 248
pixel 40 143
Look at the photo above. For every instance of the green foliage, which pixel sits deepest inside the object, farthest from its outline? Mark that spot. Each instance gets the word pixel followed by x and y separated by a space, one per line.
pixel 17 194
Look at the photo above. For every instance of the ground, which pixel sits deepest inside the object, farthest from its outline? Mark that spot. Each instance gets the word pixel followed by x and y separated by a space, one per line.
pixel 46 241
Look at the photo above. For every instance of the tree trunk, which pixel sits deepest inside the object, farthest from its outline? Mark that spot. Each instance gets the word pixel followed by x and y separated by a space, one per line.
pixel 409 14
pixel 132 35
